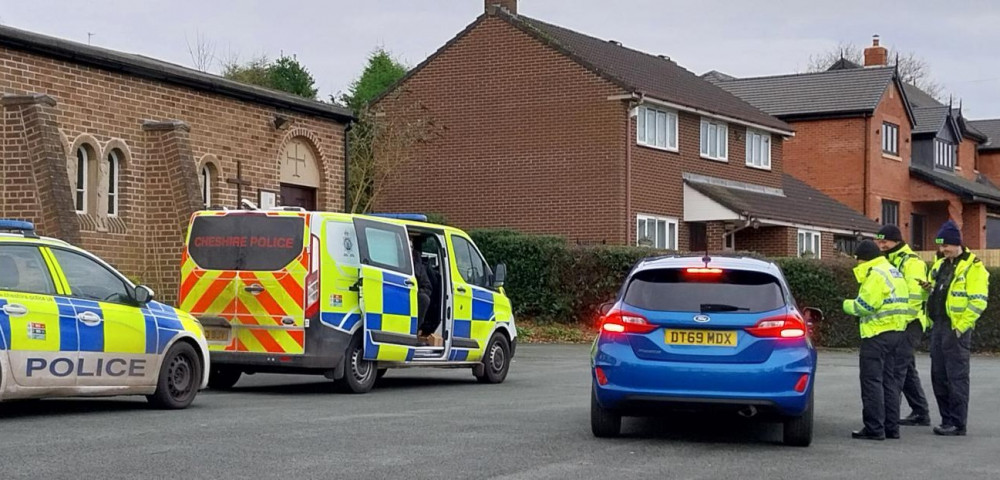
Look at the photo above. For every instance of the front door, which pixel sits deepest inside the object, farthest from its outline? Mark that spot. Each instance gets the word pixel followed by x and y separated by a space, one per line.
pixel 388 292
pixel 917 232
pixel 40 344
pixel 298 196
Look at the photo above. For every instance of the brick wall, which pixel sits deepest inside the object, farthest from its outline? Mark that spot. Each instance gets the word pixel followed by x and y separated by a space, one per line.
pixel 889 176
pixel 829 155
pixel 107 111
pixel 989 165
pixel 967 160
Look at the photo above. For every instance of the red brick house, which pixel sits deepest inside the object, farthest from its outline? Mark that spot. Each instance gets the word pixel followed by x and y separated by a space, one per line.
pixel 988 164
pixel 114 151
pixel 547 130
pixel 883 147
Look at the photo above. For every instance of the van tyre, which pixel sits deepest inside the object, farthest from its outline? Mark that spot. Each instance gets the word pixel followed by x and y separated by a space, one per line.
pixel 798 431
pixel 603 423
pixel 359 374
pixel 496 361
pixel 180 378
pixel 223 378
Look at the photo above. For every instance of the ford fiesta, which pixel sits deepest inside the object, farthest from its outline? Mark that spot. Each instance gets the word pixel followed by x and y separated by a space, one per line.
pixel 719 333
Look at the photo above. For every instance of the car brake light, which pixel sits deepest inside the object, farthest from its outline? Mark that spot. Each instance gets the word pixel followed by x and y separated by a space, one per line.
pixel 704 271
pixel 617 321
pixel 787 326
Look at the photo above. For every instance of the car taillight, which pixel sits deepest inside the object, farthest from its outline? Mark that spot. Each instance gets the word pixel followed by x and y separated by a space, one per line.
pixel 617 321
pixel 786 326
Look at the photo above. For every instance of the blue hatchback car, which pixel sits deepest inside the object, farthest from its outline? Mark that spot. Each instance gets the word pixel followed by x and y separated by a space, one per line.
pixel 691 332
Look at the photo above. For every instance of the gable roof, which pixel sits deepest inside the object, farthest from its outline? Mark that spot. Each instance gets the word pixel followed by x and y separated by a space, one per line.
pixel 852 91
pixel 800 204
pixel 981 190
pixel 635 72
pixel 991 130
pixel 929 120
pixel 158 70
pixel 918 97
pixel 843 64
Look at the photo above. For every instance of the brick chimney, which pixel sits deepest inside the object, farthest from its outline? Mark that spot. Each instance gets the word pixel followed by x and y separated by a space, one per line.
pixel 509 5
pixel 876 55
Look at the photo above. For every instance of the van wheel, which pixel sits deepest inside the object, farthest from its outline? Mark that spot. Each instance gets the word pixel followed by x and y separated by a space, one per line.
pixel 603 423
pixel 180 378
pixel 496 361
pixel 223 378
pixel 798 431
pixel 359 374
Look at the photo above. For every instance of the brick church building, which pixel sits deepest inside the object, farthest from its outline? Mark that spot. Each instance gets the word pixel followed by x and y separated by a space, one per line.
pixel 114 151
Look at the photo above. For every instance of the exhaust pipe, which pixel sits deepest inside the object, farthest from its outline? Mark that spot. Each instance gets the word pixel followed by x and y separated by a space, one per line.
pixel 748 411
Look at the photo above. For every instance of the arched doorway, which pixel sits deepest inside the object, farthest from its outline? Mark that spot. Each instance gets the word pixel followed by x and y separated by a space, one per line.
pixel 300 178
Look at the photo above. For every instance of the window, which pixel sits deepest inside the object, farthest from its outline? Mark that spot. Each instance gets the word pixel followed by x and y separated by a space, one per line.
pixel 809 243
pixel 656 232
pixel 845 244
pixel 890 138
pixel 657 128
pixel 714 139
pixel 82 165
pixel 890 212
pixel 22 269
pixel 89 279
pixel 758 149
pixel 470 263
pixel 677 291
pixel 205 178
pixel 114 165
pixel 246 242
pixel 944 154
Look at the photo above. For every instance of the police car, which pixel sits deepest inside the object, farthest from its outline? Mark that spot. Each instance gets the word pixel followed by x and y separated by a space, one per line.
pixel 70 325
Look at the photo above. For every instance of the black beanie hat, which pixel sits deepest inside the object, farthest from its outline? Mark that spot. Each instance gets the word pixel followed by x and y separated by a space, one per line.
pixel 867 250
pixel 890 232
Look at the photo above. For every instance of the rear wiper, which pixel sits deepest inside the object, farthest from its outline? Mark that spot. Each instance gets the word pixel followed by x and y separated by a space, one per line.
pixel 720 307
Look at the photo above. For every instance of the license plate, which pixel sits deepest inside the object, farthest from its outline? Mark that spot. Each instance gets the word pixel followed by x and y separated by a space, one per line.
pixel 217 334
pixel 708 338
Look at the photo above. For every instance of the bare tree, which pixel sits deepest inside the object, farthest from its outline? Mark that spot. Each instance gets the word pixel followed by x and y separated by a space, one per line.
pixel 202 51
pixel 381 142
pixel 912 69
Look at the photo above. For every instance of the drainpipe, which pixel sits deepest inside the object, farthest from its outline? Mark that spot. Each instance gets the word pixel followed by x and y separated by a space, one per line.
pixel 747 223
pixel 628 172
pixel 347 159
pixel 867 165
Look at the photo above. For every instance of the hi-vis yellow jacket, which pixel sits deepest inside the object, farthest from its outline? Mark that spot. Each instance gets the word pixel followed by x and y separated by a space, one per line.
pixel 968 293
pixel 883 301
pixel 914 271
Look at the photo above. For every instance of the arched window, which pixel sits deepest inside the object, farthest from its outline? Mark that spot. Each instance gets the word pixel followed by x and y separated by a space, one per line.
pixel 114 167
pixel 82 165
pixel 205 176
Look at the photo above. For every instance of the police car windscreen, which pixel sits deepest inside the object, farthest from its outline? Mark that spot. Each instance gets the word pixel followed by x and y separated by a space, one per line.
pixel 245 242
pixel 703 290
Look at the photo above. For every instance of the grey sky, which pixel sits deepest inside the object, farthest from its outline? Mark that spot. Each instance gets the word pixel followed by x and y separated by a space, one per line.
pixel 958 38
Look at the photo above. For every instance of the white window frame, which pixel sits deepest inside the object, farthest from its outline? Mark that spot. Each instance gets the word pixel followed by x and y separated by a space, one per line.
pixel 814 239
pixel 82 164
pixel 205 177
pixel 114 185
pixel 668 243
pixel 944 154
pixel 890 138
pixel 757 155
pixel 670 122
pixel 721 130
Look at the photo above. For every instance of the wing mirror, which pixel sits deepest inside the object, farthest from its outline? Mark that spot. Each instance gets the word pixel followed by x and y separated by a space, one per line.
pixel 812 315
pixel 142 295
pixel 499 275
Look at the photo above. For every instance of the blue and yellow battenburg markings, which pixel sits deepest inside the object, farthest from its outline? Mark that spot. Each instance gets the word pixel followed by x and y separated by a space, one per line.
pixel 4 326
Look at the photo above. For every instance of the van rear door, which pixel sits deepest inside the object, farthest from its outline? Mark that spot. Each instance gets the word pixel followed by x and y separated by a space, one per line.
pixel 263 257
pixel 388 291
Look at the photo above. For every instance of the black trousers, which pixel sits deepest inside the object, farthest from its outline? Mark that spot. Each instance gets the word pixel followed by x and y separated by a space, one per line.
pixel 880 383
pixel 427 325
pixel 913 391
pixel 950 372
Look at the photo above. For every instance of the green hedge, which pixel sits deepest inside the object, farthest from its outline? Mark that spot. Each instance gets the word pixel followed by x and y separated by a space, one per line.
pixel 550 280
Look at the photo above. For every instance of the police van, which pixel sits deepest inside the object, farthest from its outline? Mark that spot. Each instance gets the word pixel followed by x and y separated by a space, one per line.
pixel 71 325
pixel 348 296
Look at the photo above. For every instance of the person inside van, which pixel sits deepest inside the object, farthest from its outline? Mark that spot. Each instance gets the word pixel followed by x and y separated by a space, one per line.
pixel 428 288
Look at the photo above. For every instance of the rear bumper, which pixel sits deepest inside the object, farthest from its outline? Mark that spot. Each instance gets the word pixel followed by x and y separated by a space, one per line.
pixel 644 386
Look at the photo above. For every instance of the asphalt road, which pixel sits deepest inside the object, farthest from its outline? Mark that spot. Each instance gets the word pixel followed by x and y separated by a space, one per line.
pixel 442 424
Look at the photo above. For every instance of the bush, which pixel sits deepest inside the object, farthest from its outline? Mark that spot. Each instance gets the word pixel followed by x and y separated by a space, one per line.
pixel 549 280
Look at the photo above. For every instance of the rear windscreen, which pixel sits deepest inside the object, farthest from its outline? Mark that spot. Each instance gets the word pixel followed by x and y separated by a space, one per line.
pixel 245 242
pixel 676 290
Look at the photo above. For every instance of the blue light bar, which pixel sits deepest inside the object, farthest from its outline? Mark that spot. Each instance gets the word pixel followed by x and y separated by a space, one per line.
pixel 413 217
pixel 17 225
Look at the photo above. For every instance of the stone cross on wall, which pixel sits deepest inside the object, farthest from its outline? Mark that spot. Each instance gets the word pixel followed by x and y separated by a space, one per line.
pixel 298 158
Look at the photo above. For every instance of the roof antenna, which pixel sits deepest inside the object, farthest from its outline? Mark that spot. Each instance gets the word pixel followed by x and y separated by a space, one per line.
pixel 89 36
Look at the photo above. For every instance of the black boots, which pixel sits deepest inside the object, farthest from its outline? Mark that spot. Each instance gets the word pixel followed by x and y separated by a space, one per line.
pixel 949 431
pixel 915 420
